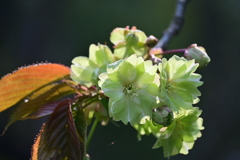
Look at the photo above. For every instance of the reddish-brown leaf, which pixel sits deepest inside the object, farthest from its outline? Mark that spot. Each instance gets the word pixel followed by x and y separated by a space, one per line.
pixel 59 139
pixel 81 125
pixel 21 83
pixel 39 102
pixel 45 110
pixel 44 96
pixel 36 145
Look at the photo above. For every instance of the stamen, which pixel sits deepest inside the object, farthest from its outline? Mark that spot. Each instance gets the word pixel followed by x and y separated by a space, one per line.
pixel 131 89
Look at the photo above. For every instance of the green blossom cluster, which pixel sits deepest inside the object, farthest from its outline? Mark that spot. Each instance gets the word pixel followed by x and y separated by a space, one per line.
pixel 128 41
pixel 154 98
pixel 179 137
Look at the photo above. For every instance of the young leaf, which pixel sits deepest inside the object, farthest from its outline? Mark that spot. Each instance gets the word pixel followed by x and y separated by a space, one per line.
pixel 44 96
pixel 59 139
pixel 36 144
pixel 16 86
pixel 37 103
pixel 45 110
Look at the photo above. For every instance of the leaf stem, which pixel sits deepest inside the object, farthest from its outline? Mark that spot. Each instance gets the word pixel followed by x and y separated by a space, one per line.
pixel 91 133
pixel 173 51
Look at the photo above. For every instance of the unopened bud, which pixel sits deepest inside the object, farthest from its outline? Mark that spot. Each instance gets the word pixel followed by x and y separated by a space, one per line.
pixel 198 53
pixel 131 39
pixel 162 116
pixel 151 41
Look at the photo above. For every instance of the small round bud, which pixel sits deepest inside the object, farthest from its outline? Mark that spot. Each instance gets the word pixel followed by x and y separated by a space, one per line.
pixel 131 39
pixel 162 116
pixel 151 41
pixel 198 53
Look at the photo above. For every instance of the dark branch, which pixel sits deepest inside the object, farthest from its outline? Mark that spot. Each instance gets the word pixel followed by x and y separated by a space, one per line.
pixel 175 25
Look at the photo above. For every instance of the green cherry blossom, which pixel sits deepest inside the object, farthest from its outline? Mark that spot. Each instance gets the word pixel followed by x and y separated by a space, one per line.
pixel 85 71
pixel 128 41
pixel 178 83
pixel 180 136
pixel 132 86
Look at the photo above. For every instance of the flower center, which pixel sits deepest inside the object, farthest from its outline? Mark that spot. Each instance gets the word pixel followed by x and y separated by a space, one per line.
pixel 169 87
pixel 131 88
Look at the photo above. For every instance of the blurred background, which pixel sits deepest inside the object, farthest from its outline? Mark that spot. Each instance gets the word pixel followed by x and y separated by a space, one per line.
pixel 34 31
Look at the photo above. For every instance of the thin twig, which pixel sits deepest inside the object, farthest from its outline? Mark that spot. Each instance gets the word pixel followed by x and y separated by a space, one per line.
pixel 175 25
pixel 173 51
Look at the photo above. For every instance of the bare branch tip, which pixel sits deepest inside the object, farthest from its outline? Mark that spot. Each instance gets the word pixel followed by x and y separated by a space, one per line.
pixel 175 25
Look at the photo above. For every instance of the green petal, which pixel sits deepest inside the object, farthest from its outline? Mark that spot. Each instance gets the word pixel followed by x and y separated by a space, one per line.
pixel 83 62
pixel 139 63
pixel 194 79
pixel 130 109
pixel 185 147
pixel 87 83
pixel 134 60
pixel 116 105
pixel 186 136
pixel 165 134
pixel 117 35
pixel 122 50
pixel 145 79
pixel 113 67
pixel 139 49
pixel 113 89
pixel 151 90
pixel 126 72
pixel 192 89
pixel 147 129
pixel 103 77
pixel 83 71
pixel 82 74
pixel 141 36
pixel 185 70
pixel 100 54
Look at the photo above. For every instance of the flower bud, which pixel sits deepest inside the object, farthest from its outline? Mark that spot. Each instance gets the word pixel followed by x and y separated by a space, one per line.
pixel 162 116
pixel 151 41
pixel 131 39
pixel 198 53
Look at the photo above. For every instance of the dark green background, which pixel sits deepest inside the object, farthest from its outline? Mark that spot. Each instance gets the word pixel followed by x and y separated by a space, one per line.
pixel 57 31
